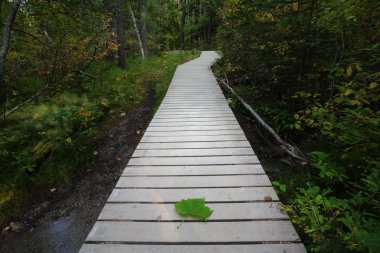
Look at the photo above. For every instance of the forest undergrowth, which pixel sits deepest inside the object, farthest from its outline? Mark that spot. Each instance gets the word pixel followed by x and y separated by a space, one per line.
pixel 49 141
pixel 311 69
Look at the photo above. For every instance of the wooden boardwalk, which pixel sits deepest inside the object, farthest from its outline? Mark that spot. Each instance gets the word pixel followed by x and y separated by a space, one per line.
pixel 193 148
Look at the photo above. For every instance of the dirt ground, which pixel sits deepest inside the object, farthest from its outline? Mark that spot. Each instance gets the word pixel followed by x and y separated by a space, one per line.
pixel 62 224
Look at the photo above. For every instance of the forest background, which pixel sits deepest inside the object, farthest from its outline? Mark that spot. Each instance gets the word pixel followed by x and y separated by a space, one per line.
pixel 310 68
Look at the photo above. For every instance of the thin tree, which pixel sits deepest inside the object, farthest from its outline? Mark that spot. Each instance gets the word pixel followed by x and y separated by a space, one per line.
pixel 143 29
pixel 137 32
pixel 121 34
pixel 183 23
pixel 5 42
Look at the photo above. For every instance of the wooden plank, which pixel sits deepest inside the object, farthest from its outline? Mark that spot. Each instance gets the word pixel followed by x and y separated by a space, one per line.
pixel 183 102
pixel 195 160
pixel 192 114
pixel 183 96
pixel 192 128
pixel 194 97
pixel 198 145
pixel 189 112
pixel 194 106
pixel 211 123
pixel 194 138
pixel 239 248
pixel 186 119
pixel 198 116
pixel 205 92
pixel 194 152
pixel 185 124
pixel 193 170
pixel 194 232
pixel 243 194
pixel 195 109
pixel 194 181
pixel 194 133
pixel 166 212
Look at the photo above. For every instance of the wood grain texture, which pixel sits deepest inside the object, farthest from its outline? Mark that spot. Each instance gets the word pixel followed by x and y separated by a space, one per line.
pixel 253 248
pixel 244 194
pixel 194 181
pixel 191 170
pixel 166 212
pixel 193 232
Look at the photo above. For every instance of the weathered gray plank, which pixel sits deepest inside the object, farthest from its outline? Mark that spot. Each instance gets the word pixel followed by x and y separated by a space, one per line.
pixel 194 181
pixel 191 114
pixel 193 170
pixel 192 128
pixel 194 107
pixel 194 133
pixel 194 138
pixel 210 194
pixel 211 123
pixel 176 145
pixel 198 115
pixel 166 212
pixel 194 152
pixel 252 231
pixel 193 119
pixel 252 248
pixel 195 160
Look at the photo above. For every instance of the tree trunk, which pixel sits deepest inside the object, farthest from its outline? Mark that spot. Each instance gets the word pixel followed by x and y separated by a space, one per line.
pixel 111 54
pixel 143 33
pixel 183 22
pixel 120 32
pixel 137 33
pixel 143 27
pixel 5 42
pixel 308 34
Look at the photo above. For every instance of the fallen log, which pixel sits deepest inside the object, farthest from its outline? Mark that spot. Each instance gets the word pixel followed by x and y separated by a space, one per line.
pixel 288 148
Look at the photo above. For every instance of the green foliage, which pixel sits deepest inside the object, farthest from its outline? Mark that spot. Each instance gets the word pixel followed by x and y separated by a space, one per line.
pixel 193 208
pixel 331 223
pixel 311 69
pixel 280 188
pixel 47 142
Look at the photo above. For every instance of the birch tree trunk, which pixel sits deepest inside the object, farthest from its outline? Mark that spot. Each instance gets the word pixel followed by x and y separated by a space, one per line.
pixel 143 32
pixel 5 42
pixel 137 32
pixel 143 27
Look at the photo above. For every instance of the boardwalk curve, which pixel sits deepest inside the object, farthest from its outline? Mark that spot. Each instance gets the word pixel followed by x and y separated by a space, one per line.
pixel 193 147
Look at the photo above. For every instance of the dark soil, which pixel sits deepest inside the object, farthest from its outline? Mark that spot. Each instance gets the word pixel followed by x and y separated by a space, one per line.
pixel 61 224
